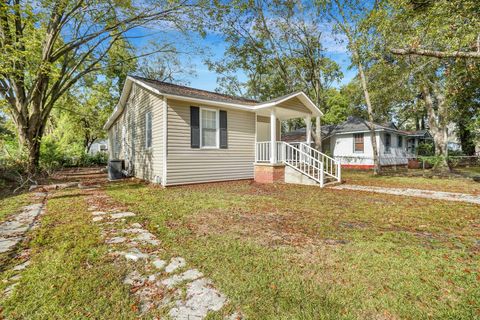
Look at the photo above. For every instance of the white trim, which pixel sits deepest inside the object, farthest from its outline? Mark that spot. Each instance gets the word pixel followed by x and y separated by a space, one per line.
pixel 217 129
pixel 165 141
pixel 301 95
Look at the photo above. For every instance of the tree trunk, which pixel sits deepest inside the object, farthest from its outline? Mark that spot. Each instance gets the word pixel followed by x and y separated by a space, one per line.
pixel 363 80
pixel 30 132
pixel 438 127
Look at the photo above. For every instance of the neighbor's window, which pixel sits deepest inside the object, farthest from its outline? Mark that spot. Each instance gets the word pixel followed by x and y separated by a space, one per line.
pixel 400 141
pixel 359 145
pixel 148 130
pixel 388 142
pixel 209 128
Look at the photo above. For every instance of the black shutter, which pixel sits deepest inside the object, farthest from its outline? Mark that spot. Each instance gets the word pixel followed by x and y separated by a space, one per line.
pixel 195 127
pixel 223 130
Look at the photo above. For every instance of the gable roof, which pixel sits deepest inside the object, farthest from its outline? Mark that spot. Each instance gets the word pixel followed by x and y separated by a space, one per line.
pixel 178 92
pixel 184 91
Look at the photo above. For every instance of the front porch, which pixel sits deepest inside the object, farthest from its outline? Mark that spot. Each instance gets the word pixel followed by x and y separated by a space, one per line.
pixel 278 161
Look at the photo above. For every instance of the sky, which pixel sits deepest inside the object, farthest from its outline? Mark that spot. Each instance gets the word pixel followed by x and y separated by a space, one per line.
pixel 213 46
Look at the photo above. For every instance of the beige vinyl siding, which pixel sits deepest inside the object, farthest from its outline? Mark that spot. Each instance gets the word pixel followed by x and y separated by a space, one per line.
pixel 264 119
pixel 186 165
pixel 295 104
pixel 147 163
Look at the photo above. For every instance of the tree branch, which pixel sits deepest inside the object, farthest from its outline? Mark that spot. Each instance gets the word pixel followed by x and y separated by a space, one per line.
pixel 435 53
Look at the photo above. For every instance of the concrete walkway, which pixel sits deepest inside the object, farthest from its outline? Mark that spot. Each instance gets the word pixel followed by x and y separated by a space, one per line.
pixel 419 193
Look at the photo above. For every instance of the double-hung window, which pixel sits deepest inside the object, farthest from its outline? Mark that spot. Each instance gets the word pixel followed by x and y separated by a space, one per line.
pixel 400 141
pixel 358 142
pixel 148 130
pixel 209 128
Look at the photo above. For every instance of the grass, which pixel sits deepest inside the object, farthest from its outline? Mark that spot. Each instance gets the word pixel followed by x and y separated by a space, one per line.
pixel 70 275
pixel 440 184
pixel 297 252
pixel 12 204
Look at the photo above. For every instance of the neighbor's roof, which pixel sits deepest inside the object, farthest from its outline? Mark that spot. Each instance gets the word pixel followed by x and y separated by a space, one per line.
pixel 351 125
pixel 178 90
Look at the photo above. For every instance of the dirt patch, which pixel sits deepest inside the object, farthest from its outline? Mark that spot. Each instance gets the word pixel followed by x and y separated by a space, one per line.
pixel 268 229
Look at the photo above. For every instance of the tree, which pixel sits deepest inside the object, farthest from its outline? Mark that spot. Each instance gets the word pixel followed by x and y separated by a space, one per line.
pixel 436 28
pixel 279 46
pixel 351 18
pixel 48 46
pixel 165 66
pixel 427 30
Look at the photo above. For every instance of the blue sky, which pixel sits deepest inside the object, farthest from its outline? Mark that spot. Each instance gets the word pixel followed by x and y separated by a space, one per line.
pixel 214 47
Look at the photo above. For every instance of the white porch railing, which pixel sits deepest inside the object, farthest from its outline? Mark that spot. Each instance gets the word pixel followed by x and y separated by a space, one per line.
pixel 300 157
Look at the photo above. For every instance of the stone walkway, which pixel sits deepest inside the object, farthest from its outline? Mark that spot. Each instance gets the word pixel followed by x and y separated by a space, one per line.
pixel 13 231
pixel 160 285
pixel 430 194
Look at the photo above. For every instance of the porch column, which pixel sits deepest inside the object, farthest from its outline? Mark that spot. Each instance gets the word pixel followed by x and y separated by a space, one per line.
pixel 308 122
pixel 273 136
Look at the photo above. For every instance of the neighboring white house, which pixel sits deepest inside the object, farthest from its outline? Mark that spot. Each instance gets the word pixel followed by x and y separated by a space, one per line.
pixel 98 146
pixel 172 135
pixel 350 143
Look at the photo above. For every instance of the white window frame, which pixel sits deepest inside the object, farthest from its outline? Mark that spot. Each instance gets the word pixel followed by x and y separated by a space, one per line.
pixel 147 114
pixel 363 138
pixel 217 131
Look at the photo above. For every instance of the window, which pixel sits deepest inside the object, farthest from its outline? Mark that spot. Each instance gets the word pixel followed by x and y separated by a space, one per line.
pixel 400 141
pixel 358 142
pixel 209 128
pixel 148 130
pixel 388 142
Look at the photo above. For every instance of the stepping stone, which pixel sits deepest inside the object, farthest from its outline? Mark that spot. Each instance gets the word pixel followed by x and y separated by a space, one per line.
pixel 8 290
pixel 134 230
pixel 134 278
pixel 115 240
pixel 175 264
pixel 21 266
pixel 97 219
pixel 179 278
pixel 10 228
pixel 40 194
pixel 98 213
pixel 148 238
pixel 136 225
pixel 201 299
pixel 135 255
pixel 159 264
pixel 8 244
pixel 120 215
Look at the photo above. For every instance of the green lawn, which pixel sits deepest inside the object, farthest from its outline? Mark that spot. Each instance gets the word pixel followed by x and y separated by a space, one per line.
pixel 276 251
pixel 300 252
pixel 70 275
pixel 463 185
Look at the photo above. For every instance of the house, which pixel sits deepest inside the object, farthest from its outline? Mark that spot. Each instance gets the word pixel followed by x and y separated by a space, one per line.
pixel 350 143
pixel 173 135
pixel 98 146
